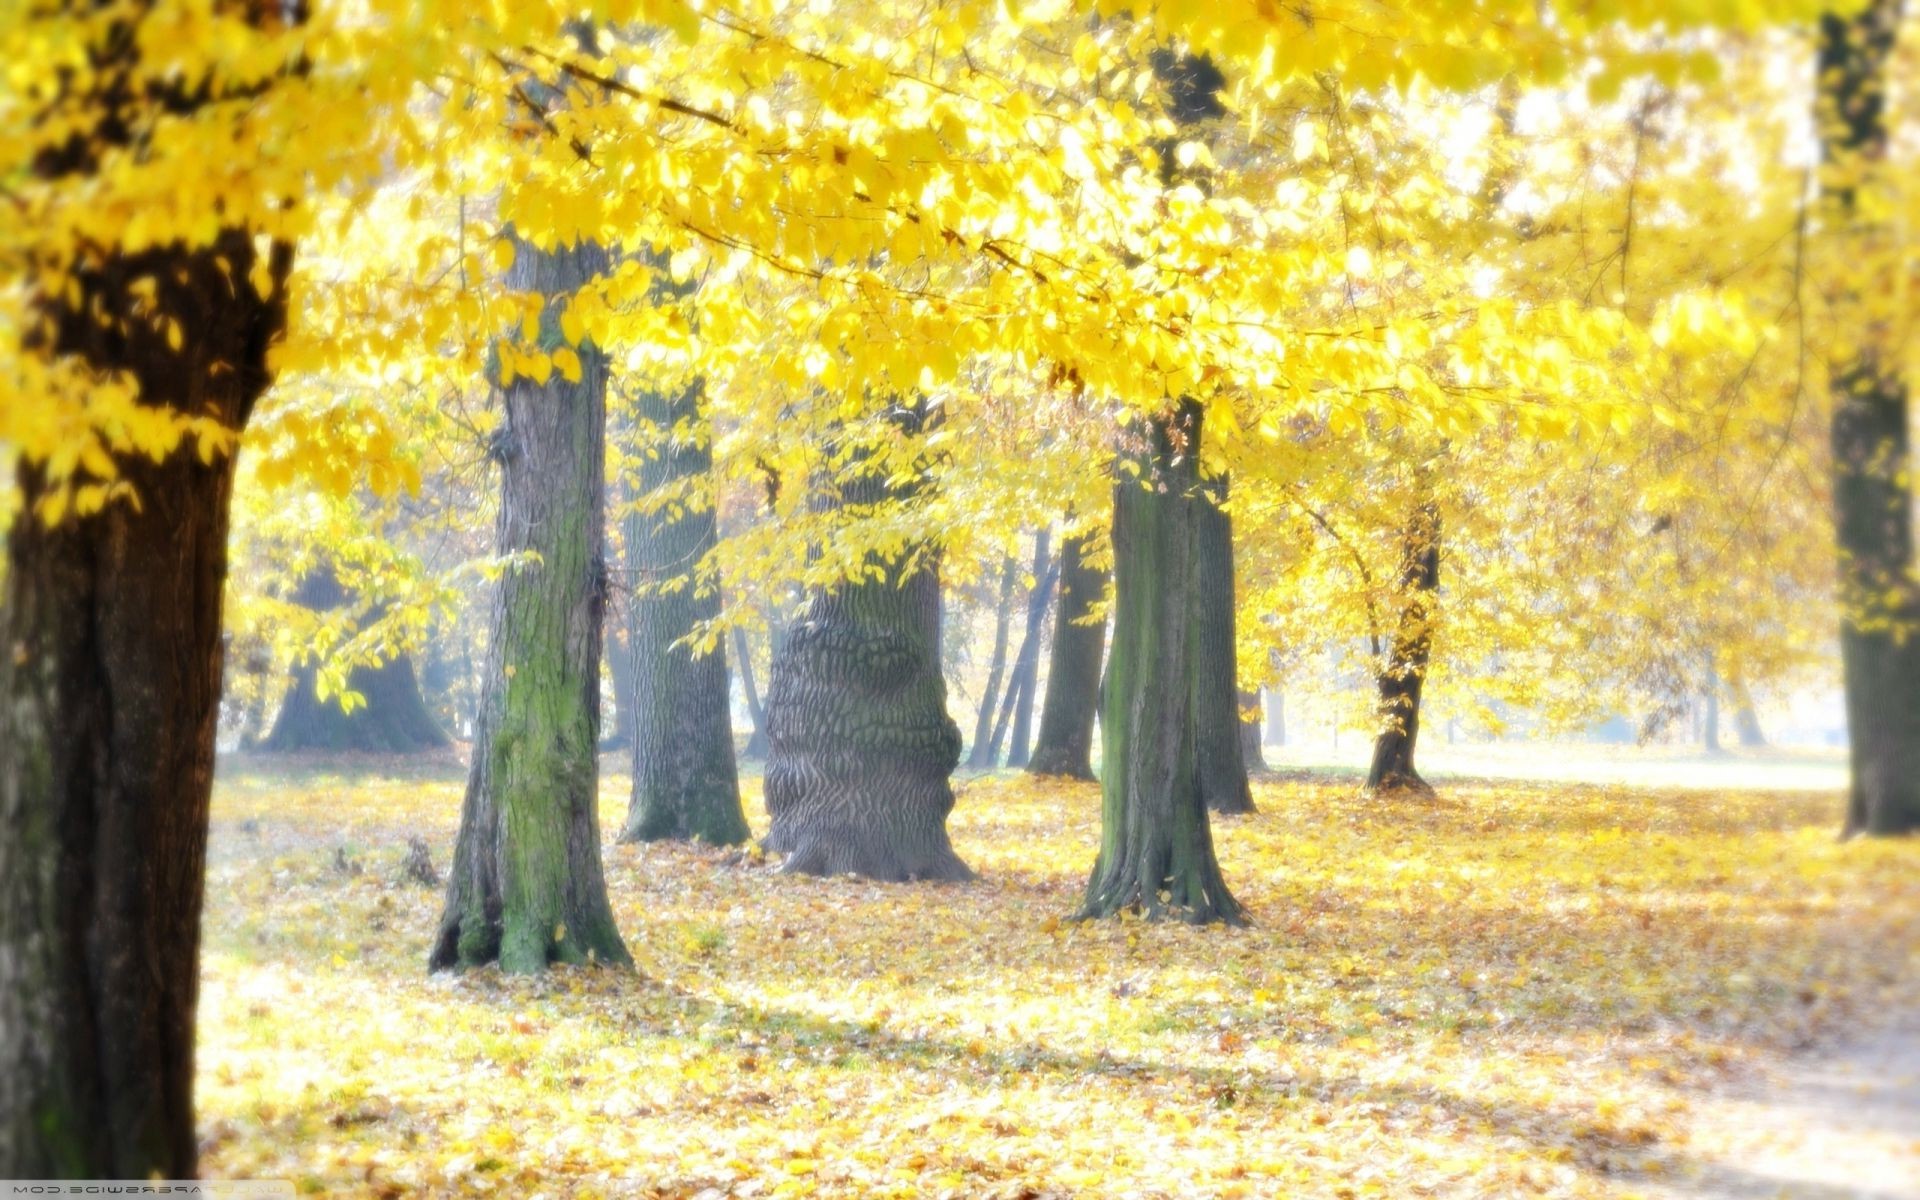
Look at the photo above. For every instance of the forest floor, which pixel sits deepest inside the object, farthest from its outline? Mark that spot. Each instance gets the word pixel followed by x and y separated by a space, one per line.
pixel 1644 986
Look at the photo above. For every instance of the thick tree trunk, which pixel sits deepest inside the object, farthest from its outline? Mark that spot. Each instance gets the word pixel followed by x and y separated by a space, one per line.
pixel 394 719
pixel 526 886
pixel 1251 751
pixel 1401 682
pixel 982 755
pixel 1026 665
pixel 1276 717
pixel 685 781
pixel 743 653
pixel 862 746
pixel 1872 456
pixel 109 698
pixel 1156 845
pixel 1223 766
pixel 1065 745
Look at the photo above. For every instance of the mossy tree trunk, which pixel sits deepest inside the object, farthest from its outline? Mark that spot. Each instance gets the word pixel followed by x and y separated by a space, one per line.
pixel 686 784
pixel 109 701
pixel 1872 454
pixel 1156 847
pixel 981 756
pixel 1065 744
pixel 862 747
pixel 526 886
pixel 393 720
pixel 1221 751
pixel 1402 678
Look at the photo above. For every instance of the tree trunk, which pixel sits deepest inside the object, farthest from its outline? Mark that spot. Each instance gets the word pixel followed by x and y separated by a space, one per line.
pixel 862 746
pixel 757 742
pixel 1400 684
pixel 981 756
pixel 1711 718
pixel 1065 745
pixel 526 886
pixel 1223 766
pixel 1746 722
pixel 1872 457
pixel 686 784
pixel 1276 717
pixel 1251 752
pixel 619 652
pixel 1026 666
pixel 109 700
pixel 1156 845
pixel 394 719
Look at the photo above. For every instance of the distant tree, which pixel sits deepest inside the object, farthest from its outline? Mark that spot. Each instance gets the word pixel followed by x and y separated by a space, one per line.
pixel 1065 743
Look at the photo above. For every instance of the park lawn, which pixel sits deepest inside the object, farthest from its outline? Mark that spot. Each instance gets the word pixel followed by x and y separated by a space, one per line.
pixel 1513 990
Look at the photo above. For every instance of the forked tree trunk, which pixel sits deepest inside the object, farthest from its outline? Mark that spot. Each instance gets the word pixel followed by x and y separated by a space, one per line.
pixel 109 699
pixel 1065 745
pixel 1026 666
pixel 862 746
pixel 743 654
pixel 526 886
pixel 393 720
pixel 981 756
pixel 1401 681
pixel 685 781
pixel 1156 845
pixel 1872 455
pixel 1223 765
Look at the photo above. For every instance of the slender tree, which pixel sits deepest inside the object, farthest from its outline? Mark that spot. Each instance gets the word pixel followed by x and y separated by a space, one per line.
pixel 1026 665
pixel 1065 743
pixel 984 753
pixel 1403 676
pixel 526 887
pixel 743 654
pixel 1251 751
pixel 1872 453
pixel 862 747
pixel 1276 717
pixel 393 720
pixel 1156 845
pixel 685 781
pixel 619 653
pixel 110 681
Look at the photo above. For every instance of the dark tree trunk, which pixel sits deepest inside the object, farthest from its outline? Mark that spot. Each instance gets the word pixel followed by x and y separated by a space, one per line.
pixel 1872 457
pixel 526 886
pixel 109 699
pixel 619 652
pixel 982 755
pixel 1251 751
pixel 862 746
pixel 1223 765
pixel 1026 665
pixel 1276 717
pixel 1401 682
pixel 757 741
pixel 685 781
pixel 1746 722
pixel 1065 745
pixel 394 719
pixel 1156 845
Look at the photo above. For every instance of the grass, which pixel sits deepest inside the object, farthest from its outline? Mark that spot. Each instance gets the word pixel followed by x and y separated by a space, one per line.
pixel 1518 989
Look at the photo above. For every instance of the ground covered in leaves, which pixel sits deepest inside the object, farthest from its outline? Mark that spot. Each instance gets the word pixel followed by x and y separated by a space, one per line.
pixel 1518 989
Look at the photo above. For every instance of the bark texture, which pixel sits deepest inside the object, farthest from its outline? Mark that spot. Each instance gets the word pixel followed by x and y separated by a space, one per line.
pixel 686 784
pixel 526 886
pixel 1223 766
pixel 1872 455
pixel 1026 665
pixel 110 661
pixel 1156 845
pixel 394 719
pixel 1065 745
pixel 1251 752
pixel 862 746
pixel 1401 682
pixel 981 755
pixel 743 653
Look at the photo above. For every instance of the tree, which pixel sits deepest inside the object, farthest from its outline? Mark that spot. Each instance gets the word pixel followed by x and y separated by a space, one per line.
pixel 981 756
pixel 1276 717
pixel 1026 664
pixel 1223 764
pixel 1403 676
pixel 392 717
pixel 1065 744
pixel 861 746
pixel 526 887
pixel 110 688
pixel 1872 454
pixel 1252 753
pixel 685 781
pixel 743 654
pixel 1156 846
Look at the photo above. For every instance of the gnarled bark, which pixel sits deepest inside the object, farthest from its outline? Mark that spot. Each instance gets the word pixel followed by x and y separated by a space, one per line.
pixel 685 782
pixel 1156 845
pixel 526 886
pixel 1065 744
